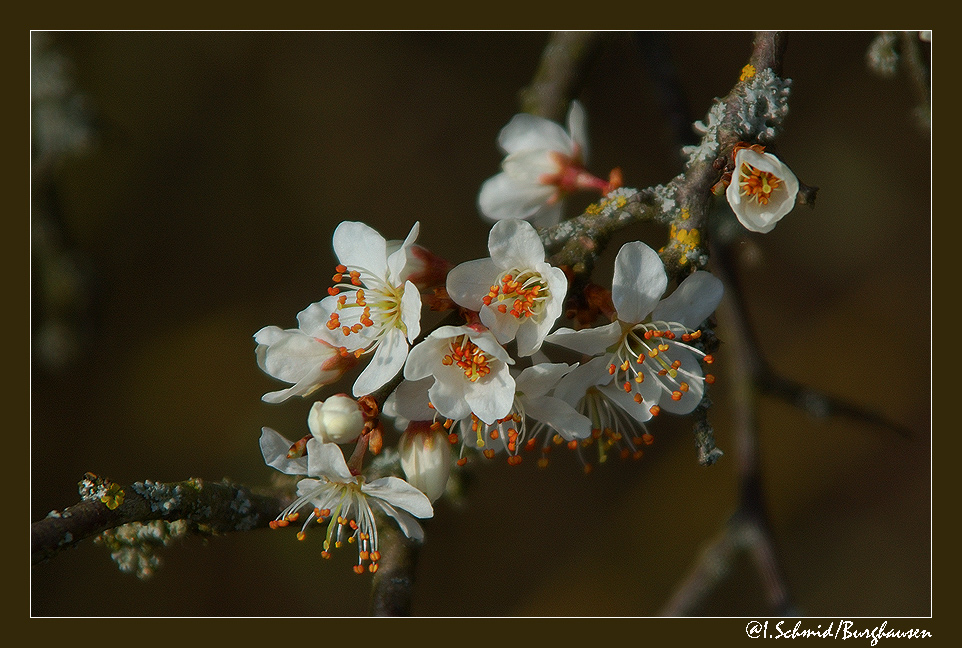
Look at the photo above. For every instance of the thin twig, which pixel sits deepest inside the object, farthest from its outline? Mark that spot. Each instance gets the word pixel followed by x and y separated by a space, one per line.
pixel 564 62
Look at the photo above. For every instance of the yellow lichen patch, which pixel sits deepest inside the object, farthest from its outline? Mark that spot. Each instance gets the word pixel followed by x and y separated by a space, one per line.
pixel 685 214
pixel 686 239
pixel 747 72
pixel 113 496
pixel 596 208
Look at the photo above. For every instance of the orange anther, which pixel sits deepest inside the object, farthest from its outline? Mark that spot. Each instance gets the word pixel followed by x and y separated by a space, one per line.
pixel 358 569
pixel 655 410
pixel 573 444
pixel 710 379
pixel 462 461
pixel 709 359
pixel 676 395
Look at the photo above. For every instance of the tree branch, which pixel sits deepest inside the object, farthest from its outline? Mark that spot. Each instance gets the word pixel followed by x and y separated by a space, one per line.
pixel 214 507
pixel 752 112
pixel 391 589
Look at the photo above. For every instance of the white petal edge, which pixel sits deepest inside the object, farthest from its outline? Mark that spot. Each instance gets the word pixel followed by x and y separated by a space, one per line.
pixel 692 302
pixel 639 282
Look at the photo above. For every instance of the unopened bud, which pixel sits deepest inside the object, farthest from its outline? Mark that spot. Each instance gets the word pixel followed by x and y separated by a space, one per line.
pixel 336 420
pixel 425 458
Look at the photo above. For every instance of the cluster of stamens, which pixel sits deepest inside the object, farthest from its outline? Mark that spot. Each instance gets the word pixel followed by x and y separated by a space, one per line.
pixel 351 296
pixel 757 185
pixel 645 350
pixel 469 357
pixel 611 427
pixel 522 294
pixel 508 432
pixel 340 527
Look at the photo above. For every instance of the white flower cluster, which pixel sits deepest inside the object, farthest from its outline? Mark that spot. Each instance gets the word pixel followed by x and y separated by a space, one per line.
pixel 487 385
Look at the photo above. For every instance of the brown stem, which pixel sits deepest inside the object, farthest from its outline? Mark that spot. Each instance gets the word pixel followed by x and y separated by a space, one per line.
pixel 393 584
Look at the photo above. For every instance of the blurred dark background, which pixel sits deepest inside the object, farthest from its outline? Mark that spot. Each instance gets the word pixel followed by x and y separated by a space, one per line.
pixel 201 207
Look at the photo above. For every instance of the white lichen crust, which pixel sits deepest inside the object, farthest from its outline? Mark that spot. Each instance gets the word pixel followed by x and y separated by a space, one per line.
pixel 133 546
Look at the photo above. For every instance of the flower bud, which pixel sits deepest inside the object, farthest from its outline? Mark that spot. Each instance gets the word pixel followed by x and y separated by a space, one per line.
pixel 425 458
pixel 336 420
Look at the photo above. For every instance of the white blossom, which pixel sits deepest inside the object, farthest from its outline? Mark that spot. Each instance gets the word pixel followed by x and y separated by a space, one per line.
pixel 543 163
pixel 517 294
pixel 374 309
pixel 644 365
pixel 762 190
pixel 470 371
pixel 345 500
pixel 308 356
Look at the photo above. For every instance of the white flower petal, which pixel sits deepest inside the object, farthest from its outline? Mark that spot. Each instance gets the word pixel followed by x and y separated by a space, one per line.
pixel 559 415
pixel 447 396
pixel 411 399
pixel 400 494
pixel 529 337
pixel 547 215
pixel 399 258
pixel 408 525
pixel 696 388
pixel 469 282
pixel 590 341
pixel 327 460
pixel 504 326
pixel 423 357
pixel 526 131
pixel 538 380
pixel 387 362
pixel 411 310
pixel 577 127
pixel 313 321
pixel 491 397
pixel 503 197
pixel 639 411
pixel 530 166
pixel 576 382
pixel 359 246
pixel 275 447
pixel 692 302
pixel 639 282
pixel 515 243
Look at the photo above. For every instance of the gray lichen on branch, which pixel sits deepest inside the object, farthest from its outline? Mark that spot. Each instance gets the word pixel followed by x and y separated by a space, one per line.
pixel 752 111
pixel 209 508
